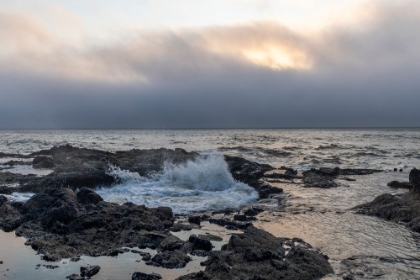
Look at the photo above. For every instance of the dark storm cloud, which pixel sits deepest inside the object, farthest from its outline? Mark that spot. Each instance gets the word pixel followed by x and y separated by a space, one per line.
pixel 362 75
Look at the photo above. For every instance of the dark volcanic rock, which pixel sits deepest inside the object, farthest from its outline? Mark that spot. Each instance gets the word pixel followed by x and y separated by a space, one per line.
pixel 264 189
pixel 414 179
pixel 75 277
pixel 43 162
pixel 13 178
pixel 57 225
pixel 210 237
pixel 324 177
pixel 253 211
pixel 200 243
pixel 88 196
pixel 250 173
pixel 400 185
pixel 79 167
pixel 257 254
pixel 10 217
pixel 146 162
pixel 5 190
pixel 73 179
pixel 287 176
pixel 89 271
pixel 349 172
pixel 229 223
pixel 144 276
pixel 170 259
pixel 320 178
pixel 402 209
pixel 171 243
pixel 241 218
pixel 194 219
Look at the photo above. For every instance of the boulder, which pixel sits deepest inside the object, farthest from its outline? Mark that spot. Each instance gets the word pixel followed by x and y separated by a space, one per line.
pixel 170 259
pixel 89 271
pixel 88 196
pixel 200 243
pixel 194 219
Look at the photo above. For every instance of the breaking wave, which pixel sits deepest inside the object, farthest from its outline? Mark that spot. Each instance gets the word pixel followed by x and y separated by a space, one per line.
pixel 199 185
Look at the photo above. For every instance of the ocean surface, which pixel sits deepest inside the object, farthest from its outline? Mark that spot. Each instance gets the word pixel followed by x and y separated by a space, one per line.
pixel 297 148
pixel 366 247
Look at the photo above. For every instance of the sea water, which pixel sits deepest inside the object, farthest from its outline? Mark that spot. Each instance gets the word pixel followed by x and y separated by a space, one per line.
pixel 367 247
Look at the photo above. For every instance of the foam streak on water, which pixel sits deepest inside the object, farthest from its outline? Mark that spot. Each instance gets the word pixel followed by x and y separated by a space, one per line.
pixel 199 185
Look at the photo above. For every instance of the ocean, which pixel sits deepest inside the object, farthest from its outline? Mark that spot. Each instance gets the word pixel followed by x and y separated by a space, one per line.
pixel 368 247
pixel 297 148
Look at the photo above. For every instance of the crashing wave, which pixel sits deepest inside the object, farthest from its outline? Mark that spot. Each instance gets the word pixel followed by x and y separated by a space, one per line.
pixel 199 185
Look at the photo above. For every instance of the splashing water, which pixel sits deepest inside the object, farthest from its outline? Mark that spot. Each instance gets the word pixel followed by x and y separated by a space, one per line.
pixel 199 185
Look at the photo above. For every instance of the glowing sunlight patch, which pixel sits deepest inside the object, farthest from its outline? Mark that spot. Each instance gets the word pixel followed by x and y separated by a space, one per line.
pixel 276 58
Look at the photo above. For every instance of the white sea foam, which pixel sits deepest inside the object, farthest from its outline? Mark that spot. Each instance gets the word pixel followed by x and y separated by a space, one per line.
pixel 20 197
pixel 27 169
pixel 199 185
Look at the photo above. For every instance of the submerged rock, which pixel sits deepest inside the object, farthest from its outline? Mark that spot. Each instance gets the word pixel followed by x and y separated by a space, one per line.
pixel 399 185
pixel 325 177
pixel 144 276
pixel 75 276
pixel 256 254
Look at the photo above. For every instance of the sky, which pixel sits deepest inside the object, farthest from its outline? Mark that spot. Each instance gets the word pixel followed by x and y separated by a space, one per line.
pixel 101 64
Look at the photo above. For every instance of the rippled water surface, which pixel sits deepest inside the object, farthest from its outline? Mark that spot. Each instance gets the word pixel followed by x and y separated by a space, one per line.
pixel 299 148
pixel 366 247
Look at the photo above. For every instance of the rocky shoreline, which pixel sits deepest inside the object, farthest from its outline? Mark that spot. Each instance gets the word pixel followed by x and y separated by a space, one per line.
pixel 66 218
pixel 403 209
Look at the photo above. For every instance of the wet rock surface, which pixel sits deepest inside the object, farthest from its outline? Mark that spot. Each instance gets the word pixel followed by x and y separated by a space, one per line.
pixel 256 254
pixel 170 259
pixel 144 276
pixel 325 177
pixel 58 225
pixel 89 271
pixel 80 167
pixel 414 179
pixel 76 168
pixel 10 217
pixel 60 222
pixel 399 185
pixel 251 173
pixel 403 208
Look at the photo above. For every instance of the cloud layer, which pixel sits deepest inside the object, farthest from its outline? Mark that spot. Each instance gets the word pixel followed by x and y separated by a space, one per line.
pixel 361 71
